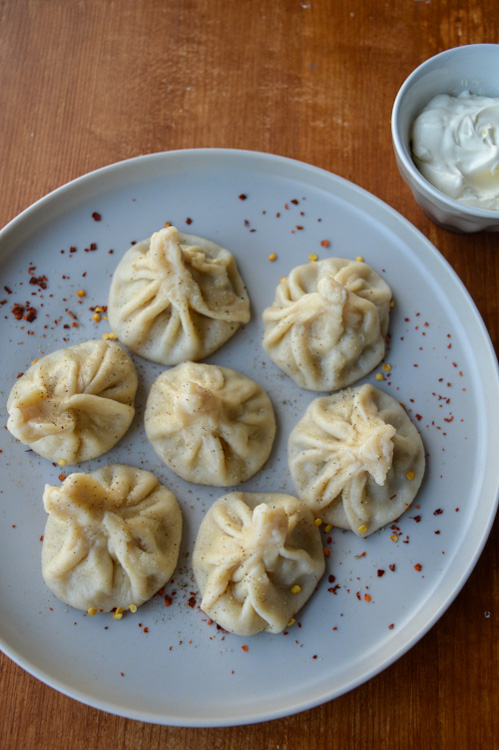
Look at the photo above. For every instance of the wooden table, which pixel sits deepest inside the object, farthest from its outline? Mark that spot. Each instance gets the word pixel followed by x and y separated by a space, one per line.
pixel 85 84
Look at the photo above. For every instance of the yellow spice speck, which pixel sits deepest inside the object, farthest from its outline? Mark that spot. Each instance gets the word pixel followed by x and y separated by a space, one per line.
pixel 284 278
pixel 386 367
pixel 410 475
pixel 132 607
pixel 394 538
pixel 92 611
pixel 81 293
pixel 118 614
pixel 362 529
pixel 295 589
pixel 272 257
pixel 109 336
pixel 96 317
pixel 291 622
pixel 61 462
pixel 328 528
pixel 380 376
pixel 359 259
pixel 313 257
pixel 318 521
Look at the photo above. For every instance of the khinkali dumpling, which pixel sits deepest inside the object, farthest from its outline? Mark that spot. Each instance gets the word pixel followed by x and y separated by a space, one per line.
pixel 356 459
pixel 327 326
pixel 176 297
pixel 257 559
pixel 112 537
pixel 75 403
pixel 209 424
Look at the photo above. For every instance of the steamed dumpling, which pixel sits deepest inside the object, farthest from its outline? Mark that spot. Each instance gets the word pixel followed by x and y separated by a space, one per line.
pixel 356 459
pixel 75 403
pixel 327 326
pixel 257 559
pixel 209 424
pixel 112 537
pixel 176 297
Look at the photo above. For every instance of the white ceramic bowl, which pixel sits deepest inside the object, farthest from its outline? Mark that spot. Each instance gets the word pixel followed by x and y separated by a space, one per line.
pixel 474 68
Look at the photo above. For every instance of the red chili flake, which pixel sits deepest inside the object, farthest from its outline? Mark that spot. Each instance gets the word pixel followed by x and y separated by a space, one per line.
pixel 242 197
pixel 436 532
pixel 61 477
pixel 72 249
pixel 146 630
pixel 450 419
pixel 390 627
pixel 418 417
pixel 416 518
pixel 9 291
pixel 331 579
pixel 41 538
pixel 40 281
pixel 30 313
pixel 298 226
pixel 121 673
pixel 96 216
pixel 381 573
pixel 188 220
pixel 418 566
pixel 325 243
pixel 392 566
pixel 168 600
pixel 437 512
pixel 244 648
pixel 18 311
pixel 367 597
pixel 192 601
pixel 294 202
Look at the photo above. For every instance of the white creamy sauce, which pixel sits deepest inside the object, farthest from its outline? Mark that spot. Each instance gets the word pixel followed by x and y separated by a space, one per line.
pixel 455 145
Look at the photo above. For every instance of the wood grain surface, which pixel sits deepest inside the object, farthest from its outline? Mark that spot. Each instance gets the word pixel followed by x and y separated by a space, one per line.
pixel 85 83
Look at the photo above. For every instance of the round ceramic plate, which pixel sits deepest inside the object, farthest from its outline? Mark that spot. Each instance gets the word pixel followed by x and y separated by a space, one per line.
pixel 170 664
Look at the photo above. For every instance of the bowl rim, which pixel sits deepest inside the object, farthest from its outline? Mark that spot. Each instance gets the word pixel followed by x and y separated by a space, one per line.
pixel 402 153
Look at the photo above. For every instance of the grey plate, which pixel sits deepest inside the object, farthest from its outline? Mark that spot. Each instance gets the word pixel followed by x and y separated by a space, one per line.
pixel 168 664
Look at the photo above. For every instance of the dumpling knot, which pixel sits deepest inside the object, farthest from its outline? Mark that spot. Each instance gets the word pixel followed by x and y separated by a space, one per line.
pixel 373 445
pixel 332 291
pixel 375 453
pixel 165 250
pixel 193 398
pixel 268 533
